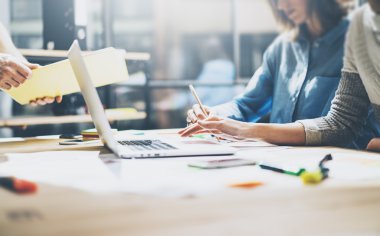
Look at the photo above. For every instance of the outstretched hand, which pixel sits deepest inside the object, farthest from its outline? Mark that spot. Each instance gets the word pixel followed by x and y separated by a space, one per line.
pixel 13 71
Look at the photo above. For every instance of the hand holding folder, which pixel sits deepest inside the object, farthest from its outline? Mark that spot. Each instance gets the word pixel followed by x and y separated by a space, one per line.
pixel 106 66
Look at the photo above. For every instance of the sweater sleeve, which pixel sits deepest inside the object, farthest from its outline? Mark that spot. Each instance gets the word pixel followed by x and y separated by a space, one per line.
pixel 349 63
pixel 346 117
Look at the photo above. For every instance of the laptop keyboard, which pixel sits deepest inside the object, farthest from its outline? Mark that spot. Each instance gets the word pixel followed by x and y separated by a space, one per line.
pixel 146 145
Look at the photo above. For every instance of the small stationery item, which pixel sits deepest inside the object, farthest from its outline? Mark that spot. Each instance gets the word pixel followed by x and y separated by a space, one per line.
pixel 250 184
pixel 222 163
pixel 92 134
pixel 279 170
pixel 318 176
pixel 70 136
pixel 18 185
pixel 79 141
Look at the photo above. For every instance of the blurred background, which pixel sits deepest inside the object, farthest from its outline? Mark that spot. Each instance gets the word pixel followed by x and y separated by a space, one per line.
pixel 214 44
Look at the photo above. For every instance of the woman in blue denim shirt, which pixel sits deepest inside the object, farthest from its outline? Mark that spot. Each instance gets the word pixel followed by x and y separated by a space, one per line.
pixel 300 72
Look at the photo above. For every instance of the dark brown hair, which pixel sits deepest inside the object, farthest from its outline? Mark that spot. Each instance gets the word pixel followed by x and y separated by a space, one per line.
pixel 328 12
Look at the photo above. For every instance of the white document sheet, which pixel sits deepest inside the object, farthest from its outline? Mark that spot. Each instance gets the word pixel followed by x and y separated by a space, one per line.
pixel 78 169
pixel 346 167
pixel 355 166
pixel 172 177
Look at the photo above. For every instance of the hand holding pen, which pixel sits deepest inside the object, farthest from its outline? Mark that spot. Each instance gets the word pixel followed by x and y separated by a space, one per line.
pixel 198 111
pixel 202 112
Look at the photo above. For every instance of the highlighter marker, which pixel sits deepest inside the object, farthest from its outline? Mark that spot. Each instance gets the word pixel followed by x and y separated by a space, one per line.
pixel 18 185
pixel 275 169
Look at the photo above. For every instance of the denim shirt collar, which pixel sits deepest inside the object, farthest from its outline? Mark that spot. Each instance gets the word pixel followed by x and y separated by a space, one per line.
pixel 329 38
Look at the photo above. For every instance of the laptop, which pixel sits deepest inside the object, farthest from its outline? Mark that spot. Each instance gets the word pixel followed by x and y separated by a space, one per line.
pixel 143 146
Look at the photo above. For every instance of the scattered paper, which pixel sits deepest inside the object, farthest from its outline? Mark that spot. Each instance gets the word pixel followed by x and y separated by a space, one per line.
pixel 233 142
pixel 78 169
pixel 354 166
pixel 172 177
pixel 248 144
pixel 346 167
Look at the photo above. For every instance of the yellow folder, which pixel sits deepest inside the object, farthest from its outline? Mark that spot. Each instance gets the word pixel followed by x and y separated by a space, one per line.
pixel 106 66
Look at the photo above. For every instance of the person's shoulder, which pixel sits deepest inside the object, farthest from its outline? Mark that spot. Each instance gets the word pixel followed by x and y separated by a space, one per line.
pixel 284 37
pixel 356 17
pixel 279 42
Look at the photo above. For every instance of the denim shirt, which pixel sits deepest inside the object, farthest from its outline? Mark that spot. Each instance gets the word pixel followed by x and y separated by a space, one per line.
pixel 297 80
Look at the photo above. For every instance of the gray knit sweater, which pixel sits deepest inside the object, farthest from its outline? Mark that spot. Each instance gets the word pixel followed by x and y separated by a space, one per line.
pixel 358 89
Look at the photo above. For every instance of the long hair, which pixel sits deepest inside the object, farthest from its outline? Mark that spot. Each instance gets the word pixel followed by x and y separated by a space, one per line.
pixel 328 12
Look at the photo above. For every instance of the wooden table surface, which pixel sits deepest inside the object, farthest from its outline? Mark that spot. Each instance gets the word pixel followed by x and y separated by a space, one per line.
pixel 316 210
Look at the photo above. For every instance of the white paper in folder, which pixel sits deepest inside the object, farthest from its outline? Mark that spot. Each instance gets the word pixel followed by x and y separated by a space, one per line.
pixel 106 66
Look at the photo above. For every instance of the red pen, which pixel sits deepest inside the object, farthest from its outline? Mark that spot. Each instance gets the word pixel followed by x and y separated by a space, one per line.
pixel 18 185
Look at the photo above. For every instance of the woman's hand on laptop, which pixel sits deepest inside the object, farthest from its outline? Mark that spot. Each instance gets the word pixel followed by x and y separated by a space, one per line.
pixel 195 114
pixel 45 100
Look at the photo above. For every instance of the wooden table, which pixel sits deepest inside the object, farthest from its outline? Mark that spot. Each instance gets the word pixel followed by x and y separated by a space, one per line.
pixel 318 210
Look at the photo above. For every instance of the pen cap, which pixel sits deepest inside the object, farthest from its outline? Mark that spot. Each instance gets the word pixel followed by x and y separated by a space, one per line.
pixel 310 178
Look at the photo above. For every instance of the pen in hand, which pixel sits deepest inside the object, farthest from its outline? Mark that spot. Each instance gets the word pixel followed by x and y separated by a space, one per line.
pixel 201 106
pixel 198 100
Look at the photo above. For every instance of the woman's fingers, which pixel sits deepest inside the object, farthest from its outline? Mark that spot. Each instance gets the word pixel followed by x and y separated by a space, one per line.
pixel 225 126
pixel 45 100
pixel 58 99
pixel 190 130
pixel 5 85
pixel 191 116
pixel 374 145
pixel 13 82
pixel 211 124
pixel 207 131
pixel 183 130
pixel 12 72
pixel 199 113
pixel 41 102
pixel 32 66
pixel 19 67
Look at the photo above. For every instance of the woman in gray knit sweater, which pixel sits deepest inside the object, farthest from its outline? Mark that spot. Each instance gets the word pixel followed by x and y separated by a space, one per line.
pixel 359 88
